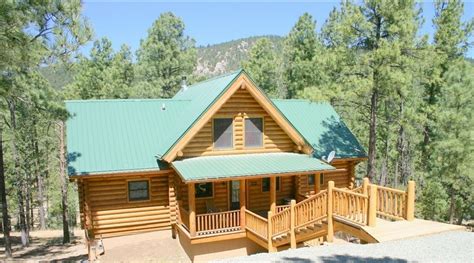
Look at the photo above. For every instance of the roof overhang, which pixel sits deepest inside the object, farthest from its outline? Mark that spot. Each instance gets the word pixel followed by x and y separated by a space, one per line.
pixel 244 166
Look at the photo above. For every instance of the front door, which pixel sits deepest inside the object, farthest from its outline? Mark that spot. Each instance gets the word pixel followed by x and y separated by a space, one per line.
pixel 234 195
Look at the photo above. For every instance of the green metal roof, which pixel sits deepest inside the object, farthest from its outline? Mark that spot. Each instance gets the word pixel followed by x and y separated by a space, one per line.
pixel 131 135
pixel 228 166
pixel 322 127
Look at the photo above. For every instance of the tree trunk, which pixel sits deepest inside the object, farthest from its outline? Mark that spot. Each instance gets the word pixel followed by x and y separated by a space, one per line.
pixel 25 239
pixel 371 169
pixel 452 206
pixel 3 196
pixel 39 179
pixel 403 161
pixel 28 205
pixel 62 175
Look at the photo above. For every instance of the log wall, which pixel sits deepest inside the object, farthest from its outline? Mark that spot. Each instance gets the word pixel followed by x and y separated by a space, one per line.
pixel 343 179
pixel 259 201
pixel 239 106
pixel 104 203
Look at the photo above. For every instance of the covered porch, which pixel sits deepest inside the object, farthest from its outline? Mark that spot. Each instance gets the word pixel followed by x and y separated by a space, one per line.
pixel 219 194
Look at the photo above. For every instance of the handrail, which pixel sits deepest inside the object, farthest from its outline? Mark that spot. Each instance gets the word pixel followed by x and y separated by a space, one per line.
pixel 256 224
pixel 280 208
pixel 280 222
pixel 391 203
pixel 311 210
pixel 352 206
pixel 219 222
pixel 358 190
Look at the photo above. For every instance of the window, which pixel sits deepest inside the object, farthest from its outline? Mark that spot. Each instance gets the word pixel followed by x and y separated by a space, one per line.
pixel 253 132
pixel 203 190
pixel 266 184
pixel 321 179
pixel 223 133
pixel 138 190
pixel 311 179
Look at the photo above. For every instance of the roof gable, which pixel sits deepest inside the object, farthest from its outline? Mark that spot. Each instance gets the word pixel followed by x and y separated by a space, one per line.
pixel 241 81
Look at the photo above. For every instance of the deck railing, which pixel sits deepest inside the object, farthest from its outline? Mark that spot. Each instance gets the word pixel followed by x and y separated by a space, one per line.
pixel 280 222
pixel 396 204
pixel 280 208
pixel 256 224
pixel 350 205
pixel 221 222
pixel 311 210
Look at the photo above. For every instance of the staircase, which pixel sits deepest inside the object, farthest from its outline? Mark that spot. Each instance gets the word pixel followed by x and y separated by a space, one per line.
pixel 335 209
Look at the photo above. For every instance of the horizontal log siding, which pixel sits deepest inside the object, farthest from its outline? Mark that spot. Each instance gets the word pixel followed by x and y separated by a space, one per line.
pixel 341 179
pixel 220 198
pixel 112 213
pixel 241 104
pixel 259 201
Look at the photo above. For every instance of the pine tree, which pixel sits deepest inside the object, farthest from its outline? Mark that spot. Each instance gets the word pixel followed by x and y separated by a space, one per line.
pixel 300 50
pixel 164 57
pixel 262 65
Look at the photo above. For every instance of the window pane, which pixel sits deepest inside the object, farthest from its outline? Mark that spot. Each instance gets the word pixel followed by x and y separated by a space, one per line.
pixel 266 184
pixel 203 190
pixel 254 132
pixel 138 190
pixel 311 178
pixel 223 133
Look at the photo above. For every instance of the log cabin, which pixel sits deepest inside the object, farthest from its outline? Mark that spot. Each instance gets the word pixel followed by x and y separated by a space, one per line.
pixel 222 167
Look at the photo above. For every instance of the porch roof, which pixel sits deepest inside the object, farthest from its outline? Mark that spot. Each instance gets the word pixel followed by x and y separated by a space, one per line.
pixel 210 168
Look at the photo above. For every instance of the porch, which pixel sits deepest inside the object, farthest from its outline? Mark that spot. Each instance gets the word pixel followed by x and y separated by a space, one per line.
pixel 355 211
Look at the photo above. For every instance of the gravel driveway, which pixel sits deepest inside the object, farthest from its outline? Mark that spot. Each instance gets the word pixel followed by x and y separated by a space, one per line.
pixel 445 247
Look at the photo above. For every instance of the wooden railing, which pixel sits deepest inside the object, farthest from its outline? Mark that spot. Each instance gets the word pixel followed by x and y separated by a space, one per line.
pixel 358 190
pixel 350 205
pixel 221 222
pixel 280 208
pixel 280 222
pixel 391 203
pixel 311 210
pixel 256 224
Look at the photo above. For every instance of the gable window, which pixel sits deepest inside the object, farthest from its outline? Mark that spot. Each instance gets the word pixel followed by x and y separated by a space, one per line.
pixel 138 190
pixel 253 132
pixel 223 129
pixel 266 184
pixel 203 190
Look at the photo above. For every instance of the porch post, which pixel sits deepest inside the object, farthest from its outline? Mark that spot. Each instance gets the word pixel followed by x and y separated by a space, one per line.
pixel 273 194
pixel 410 201
pixel 317 183
pixel 330 235
pixel 192 209
pixel 243 201
pixel 372 216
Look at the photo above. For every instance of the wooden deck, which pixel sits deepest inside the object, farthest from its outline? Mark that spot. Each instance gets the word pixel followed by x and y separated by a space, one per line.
pixel 387 230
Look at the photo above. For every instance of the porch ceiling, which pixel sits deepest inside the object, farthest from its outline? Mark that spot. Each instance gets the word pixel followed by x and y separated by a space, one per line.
pixel 210 168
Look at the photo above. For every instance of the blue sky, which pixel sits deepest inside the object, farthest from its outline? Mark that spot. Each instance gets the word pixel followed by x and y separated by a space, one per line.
pixel 212 22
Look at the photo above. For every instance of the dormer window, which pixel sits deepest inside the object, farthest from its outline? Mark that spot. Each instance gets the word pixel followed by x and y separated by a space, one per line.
pixel 254 132
pixel 223 133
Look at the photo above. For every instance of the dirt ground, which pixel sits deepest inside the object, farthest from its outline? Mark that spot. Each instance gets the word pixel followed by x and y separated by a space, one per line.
pixel 46 246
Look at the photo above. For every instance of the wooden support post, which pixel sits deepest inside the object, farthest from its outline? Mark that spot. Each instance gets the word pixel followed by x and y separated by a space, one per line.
pixel 269 233
pixel 330 235
pixel 372 216
pixel 242 198
pixel 410 201
pixel 192 209
pixel 352 174
pixel 292 224
pixel 365 185
pixel 273 194
pixel 317 183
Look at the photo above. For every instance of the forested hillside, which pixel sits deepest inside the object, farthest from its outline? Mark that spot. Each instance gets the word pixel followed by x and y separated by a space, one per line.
pixel 406 95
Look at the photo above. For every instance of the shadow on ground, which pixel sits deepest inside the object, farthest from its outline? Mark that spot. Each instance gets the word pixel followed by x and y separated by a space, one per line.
pixel 345 258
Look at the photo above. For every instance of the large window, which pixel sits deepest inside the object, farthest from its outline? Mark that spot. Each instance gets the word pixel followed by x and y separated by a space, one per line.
pixel 312 179
pixel 223 133
pixel 203 190
pixel 266 184
pixel 253 132
pixel 138 190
